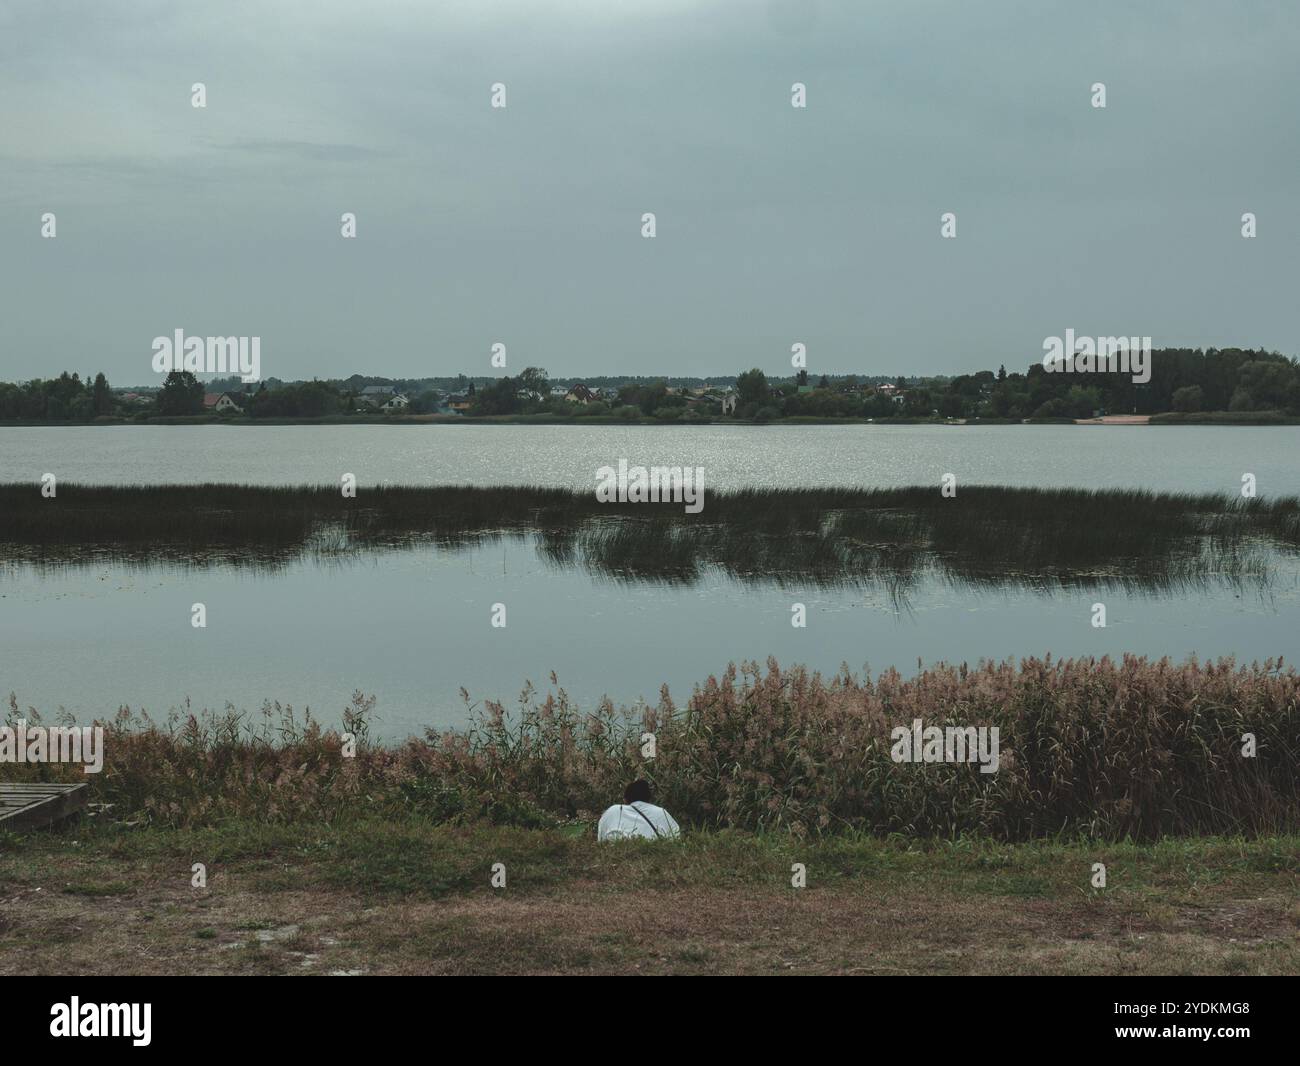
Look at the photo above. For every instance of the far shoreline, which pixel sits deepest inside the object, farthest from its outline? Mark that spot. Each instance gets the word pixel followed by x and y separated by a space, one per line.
pixel 1164 418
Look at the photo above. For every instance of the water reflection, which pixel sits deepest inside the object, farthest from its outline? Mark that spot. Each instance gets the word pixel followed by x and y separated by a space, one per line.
pixel 885 541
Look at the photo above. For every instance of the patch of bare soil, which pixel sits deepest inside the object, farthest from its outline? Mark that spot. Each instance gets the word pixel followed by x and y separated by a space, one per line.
pixel 172 930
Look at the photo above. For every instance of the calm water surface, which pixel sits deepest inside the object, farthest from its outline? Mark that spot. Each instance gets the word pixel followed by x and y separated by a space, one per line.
pixel 412 628
pixel 1172 459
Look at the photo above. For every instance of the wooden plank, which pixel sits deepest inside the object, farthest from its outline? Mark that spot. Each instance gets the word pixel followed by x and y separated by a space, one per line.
pixel 31 805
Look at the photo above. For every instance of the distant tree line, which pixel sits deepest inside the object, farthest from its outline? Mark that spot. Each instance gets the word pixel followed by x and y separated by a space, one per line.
pixel 1182 380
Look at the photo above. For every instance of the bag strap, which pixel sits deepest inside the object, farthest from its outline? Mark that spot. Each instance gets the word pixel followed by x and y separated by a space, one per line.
pixel 645 819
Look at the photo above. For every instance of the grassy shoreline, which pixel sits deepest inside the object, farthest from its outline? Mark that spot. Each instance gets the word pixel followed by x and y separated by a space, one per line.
pixel 1112 750
pixel 382 864
pixel 400 896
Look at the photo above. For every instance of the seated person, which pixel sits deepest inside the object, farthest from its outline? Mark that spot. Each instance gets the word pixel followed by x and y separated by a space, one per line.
pixel 636 816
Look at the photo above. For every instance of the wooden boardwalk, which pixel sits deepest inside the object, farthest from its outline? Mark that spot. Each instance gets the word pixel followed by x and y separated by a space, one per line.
pixel 28 805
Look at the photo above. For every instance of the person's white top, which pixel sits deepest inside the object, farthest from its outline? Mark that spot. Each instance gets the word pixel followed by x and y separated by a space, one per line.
pixel 623 821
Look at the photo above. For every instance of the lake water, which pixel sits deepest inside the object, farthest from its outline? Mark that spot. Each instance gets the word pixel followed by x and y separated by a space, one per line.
pixel 1168 459
pixel 413 626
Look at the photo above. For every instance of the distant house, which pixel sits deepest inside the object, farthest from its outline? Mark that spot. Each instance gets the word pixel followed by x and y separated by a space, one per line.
pixel 580 394
pixel 558 390
pixel 221 402
pixel 729 399
pixel 381 398
pixel 458 402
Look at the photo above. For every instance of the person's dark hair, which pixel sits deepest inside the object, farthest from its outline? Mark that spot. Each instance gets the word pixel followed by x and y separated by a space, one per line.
pixel 637 792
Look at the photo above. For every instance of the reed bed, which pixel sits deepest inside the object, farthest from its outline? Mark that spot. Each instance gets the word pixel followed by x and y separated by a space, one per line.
pixel 985 535
pixel 1097 748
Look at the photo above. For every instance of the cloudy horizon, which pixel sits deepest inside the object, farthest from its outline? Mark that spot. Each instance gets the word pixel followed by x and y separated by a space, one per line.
pixel 522 225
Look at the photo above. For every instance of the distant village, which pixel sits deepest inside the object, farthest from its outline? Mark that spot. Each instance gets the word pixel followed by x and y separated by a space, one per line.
pixel 1249 385
pixel 536 395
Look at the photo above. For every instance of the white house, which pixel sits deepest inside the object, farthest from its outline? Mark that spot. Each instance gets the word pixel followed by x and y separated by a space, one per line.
pixel 220 402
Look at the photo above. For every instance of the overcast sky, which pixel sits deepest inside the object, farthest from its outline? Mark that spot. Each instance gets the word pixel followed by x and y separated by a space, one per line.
pixel 523 225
